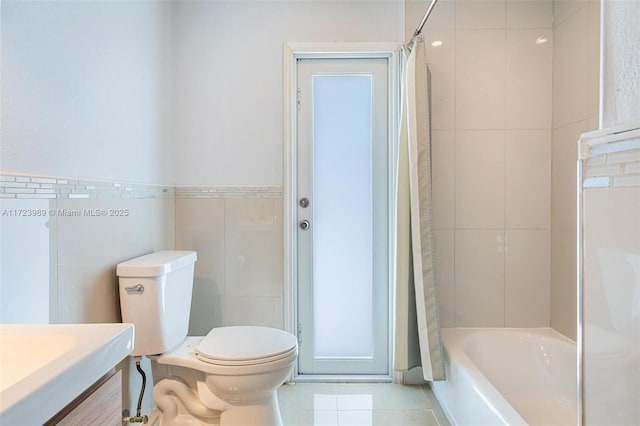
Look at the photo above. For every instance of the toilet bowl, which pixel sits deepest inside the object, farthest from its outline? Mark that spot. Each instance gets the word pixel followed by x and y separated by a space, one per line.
pixel 228 377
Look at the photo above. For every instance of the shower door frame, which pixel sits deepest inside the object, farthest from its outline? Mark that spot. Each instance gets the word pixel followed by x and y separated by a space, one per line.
pixel 292 53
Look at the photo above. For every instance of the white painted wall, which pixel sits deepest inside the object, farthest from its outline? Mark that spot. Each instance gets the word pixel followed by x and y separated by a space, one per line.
pixel 87 89
pixel 229 75
pixel 621 62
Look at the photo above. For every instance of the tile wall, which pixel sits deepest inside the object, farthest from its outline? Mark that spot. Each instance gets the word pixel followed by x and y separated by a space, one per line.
pixel 61 241
pixel 491 104
pixel 71 233
pixel 238 234
pixel 575 111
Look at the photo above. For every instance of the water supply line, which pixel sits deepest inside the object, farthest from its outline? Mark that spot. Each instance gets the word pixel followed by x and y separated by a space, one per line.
pixel 138 418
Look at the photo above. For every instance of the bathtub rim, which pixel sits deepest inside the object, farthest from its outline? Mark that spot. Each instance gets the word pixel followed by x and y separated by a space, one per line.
pixel 453 339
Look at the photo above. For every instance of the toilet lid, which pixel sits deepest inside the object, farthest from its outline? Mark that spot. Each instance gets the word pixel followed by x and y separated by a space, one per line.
pixel 245 344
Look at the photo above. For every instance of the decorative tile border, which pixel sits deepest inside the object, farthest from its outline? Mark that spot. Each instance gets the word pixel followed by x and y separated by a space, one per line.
pixel 228 192
pixel 611 157
pixel 30 186
pixel 14 186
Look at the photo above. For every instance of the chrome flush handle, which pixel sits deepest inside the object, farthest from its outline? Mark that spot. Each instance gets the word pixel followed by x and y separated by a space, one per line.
pixel 138 288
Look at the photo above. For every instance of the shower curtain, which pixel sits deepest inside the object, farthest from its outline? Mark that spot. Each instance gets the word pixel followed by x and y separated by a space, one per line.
pixel 417 324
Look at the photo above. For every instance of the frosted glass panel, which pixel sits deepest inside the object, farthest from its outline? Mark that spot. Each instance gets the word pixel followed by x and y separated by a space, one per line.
pixel 342 216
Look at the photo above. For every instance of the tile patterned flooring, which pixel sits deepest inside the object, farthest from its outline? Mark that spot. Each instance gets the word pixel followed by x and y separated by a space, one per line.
pixel 359 404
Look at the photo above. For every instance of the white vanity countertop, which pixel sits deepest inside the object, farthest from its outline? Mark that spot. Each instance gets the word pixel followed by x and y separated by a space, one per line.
pixel 45 367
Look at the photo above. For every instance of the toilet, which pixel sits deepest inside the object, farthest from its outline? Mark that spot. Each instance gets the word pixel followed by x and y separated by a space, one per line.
pixel 228 377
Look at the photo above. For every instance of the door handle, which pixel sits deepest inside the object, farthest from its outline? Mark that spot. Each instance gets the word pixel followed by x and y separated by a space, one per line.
pixel 305 225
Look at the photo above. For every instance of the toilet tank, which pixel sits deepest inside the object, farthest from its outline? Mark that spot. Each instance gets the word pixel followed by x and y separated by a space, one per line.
pixel 155 296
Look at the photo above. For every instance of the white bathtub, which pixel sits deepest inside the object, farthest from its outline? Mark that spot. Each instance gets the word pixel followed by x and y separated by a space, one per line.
pixel 508 376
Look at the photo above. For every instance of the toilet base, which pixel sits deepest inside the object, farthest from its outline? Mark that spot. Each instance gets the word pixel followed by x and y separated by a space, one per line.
pixel 181 405
pixel 263 413
pixel 181 409
pixel 188 420
pixel 217 395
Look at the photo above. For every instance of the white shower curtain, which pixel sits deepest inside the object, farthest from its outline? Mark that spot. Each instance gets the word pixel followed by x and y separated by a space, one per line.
pixel 417 324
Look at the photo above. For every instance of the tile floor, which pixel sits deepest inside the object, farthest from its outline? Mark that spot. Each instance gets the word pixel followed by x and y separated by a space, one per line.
pixel 359 404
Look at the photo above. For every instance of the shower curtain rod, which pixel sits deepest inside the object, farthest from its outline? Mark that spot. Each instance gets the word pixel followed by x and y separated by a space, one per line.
pixel 418 30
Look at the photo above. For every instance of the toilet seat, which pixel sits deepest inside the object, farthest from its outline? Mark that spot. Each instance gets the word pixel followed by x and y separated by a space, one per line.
pixel 240 363
pixel 185 356
pixel 245 345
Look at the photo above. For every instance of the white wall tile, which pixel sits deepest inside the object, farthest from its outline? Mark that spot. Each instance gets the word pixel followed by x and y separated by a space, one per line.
pixel 89 248
pixel 564 292
pixel 444 261
pixel 593 123
pixel 206 309
pixel 441 61
pixel 130 233
pixel 240 260
pixel 528 179
pixel 527 278
pixel 149 226
pixel 570 61
pixel 575 96
pixel 249 311
pixel 563 9
pixel 529 13
pixel 480 79
pixel 443 183
pixel 575 91
pixel 249 240
pixel 278 247
pixel 443 15
pixel 480 175
pixel 529 82
pixel 479 278
pixel 161 213
pixel 278 313
pixel 85 241
pixel 563 175
pixel 480 14
pixel 501 82
pixel 200 226
pixel 27 260
pixel 87 295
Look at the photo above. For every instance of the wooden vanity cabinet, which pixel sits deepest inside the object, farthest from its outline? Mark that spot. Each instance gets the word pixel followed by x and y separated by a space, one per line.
pixel 99 405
